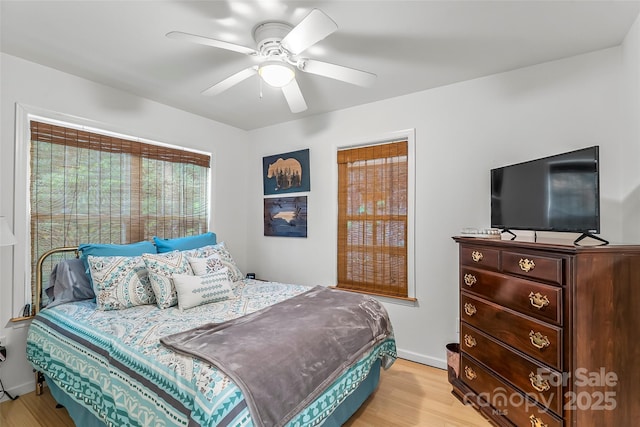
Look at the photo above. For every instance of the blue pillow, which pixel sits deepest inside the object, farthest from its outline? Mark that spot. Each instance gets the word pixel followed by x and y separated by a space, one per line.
pixel 109 249
pixel 184 243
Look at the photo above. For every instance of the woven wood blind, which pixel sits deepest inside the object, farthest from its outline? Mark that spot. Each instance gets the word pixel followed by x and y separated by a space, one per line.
pixel 45 132
pixel 91 188
pixel 372 219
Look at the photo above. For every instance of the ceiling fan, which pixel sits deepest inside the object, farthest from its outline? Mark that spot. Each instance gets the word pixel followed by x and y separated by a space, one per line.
pixel 278 46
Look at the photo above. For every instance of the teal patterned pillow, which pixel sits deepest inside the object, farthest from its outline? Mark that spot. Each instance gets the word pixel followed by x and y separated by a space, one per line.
pixel 211 264
pixel 223 253
pixel 120 282
pixel 161 268
pixel 197 290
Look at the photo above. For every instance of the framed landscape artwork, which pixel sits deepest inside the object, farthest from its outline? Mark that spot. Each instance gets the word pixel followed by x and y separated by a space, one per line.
pixel 286 172
pixel 285 216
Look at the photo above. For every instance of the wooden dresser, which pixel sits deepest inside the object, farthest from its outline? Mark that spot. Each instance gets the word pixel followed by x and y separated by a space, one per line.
pixel 550 333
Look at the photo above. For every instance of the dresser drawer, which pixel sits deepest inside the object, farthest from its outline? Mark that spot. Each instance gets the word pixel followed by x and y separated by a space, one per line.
pixel 531 377
pixel 533 337
pixel 481 257
pixel 503 398
pixel 526 296
pixel 533 265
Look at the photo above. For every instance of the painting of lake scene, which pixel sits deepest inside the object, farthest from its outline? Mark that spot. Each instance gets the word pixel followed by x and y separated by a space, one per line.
pixel 285 216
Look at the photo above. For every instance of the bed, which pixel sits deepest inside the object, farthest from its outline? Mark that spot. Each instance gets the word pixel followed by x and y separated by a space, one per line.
pixel 120 366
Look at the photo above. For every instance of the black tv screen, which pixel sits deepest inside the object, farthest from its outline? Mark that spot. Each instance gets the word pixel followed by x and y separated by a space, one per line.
pixel 556 193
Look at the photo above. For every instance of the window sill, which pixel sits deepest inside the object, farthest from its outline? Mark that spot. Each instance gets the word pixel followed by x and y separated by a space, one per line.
pixel 19 322
pixel 392 298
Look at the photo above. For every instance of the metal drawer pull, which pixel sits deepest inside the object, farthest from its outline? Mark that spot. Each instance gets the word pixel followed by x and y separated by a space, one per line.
pixel 476 256
pixel 470 309
pixel 470 373
pixel 538 300
pixel 470 279
pixel 526 265
pixel 469 341
pixel 538 340
pixel 537 422
pixel 538 382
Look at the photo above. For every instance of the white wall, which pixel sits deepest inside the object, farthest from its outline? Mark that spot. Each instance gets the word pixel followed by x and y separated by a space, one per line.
pixel 462 131
pixel 45 88
pixel 631 149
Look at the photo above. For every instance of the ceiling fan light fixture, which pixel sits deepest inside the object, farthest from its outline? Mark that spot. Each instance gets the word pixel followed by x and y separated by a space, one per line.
pixel 276 74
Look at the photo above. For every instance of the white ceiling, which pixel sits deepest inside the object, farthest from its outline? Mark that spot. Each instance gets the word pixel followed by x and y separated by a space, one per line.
pixel 410 45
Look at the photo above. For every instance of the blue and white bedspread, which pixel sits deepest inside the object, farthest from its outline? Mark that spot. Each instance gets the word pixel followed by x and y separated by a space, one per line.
pixel 112 362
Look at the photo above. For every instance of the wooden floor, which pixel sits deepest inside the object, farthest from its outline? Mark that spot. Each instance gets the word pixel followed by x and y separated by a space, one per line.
pixel 409 394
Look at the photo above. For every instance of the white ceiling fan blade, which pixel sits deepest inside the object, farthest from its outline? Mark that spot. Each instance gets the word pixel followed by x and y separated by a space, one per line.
pixel 178 35
pixel 230 81
pixel 313 28
pixel 339 72
pixel 294 97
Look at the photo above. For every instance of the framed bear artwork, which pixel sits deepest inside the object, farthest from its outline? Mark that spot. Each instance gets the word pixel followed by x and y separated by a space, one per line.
pixel 286 173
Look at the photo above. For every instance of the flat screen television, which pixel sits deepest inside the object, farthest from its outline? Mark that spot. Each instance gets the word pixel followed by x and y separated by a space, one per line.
pixel 555 193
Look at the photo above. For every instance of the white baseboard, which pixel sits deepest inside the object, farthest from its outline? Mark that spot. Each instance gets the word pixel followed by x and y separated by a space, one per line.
pixel 25 388
pixel 421 358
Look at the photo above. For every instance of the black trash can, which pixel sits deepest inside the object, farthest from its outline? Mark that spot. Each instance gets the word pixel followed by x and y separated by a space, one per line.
pixel 453 361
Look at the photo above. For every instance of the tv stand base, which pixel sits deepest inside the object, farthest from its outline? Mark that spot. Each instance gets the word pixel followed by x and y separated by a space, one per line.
pixel 593 236
pixel 506 230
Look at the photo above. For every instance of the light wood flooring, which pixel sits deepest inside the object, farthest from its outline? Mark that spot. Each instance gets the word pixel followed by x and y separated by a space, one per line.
pixel 409 394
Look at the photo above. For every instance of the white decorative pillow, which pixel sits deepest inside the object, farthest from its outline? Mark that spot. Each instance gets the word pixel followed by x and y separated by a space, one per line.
pixel 161 268
pixel 206 265
pixel 223 253
pixel 120 282
pixel 197 290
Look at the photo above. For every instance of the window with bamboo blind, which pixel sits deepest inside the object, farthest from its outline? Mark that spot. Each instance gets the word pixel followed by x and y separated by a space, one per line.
pixel 87 187
pixel 372 219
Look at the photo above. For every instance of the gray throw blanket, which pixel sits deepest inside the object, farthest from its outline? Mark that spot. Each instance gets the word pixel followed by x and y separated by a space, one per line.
pixel 283 356
pixel 68 282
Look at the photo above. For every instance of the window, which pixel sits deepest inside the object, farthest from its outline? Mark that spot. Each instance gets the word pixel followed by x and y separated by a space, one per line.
pixel 90 187
pixel 373 219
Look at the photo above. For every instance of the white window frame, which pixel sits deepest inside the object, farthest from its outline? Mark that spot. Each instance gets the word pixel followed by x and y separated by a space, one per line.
pixel 409 136
pixel 22 230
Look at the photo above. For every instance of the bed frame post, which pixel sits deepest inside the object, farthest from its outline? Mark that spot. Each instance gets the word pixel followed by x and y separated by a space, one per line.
pixel 39 383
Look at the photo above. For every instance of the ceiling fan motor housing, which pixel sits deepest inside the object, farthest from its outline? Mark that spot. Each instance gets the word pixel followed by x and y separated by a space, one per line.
pixel 268 36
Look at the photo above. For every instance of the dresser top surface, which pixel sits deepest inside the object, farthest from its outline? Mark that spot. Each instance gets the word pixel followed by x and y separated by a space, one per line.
pixel 549 244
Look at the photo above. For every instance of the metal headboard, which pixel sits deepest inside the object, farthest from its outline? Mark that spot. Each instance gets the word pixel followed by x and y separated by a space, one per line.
pixel 38 295
pixel 39 276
